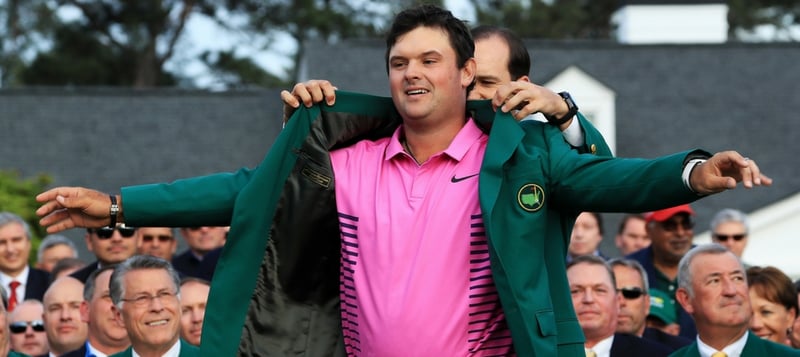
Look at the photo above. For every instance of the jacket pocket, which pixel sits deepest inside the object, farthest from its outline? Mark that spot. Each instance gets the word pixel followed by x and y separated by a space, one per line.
pixel 546 320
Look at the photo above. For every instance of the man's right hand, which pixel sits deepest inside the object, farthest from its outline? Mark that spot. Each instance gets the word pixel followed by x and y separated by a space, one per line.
pixel 69 207
pixel 308 93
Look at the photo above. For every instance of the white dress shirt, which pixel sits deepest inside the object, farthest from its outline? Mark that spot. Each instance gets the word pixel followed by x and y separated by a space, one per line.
pixel 732 350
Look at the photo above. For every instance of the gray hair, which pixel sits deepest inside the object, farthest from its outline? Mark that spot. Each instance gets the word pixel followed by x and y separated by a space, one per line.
pixel 8 218
pixel 91 281
pixel 684 267
pixel 595 260
pixel 53 240
pixel 139 262
pixel 730 215
pixel 633 264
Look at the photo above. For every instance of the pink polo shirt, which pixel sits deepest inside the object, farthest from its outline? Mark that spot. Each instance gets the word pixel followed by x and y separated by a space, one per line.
pixel 416 278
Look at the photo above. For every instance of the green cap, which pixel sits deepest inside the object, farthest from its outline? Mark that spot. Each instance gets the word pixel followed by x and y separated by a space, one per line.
pixel 662 306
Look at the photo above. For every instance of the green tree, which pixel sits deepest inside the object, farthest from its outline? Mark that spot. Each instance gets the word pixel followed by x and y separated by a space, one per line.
pixel 746 15
pixel 18 195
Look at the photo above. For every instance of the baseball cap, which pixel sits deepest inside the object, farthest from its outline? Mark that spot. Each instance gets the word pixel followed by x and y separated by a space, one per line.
pixel 667 213
pixel 662 306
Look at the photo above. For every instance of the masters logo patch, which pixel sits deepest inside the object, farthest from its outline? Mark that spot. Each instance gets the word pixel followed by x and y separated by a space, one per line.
pixel 530 197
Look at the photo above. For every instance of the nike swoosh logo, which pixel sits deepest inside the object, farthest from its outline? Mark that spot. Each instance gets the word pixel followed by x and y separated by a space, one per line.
pixel 455 179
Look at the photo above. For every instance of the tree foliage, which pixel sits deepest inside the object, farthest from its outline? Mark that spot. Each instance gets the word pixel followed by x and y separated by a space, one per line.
pixel 143 43
pixel 17 195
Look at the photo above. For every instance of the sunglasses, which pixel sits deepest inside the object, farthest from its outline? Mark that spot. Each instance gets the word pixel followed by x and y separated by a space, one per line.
pixel 725 237
pixel 161 238
pixel 21 326
pixel 107 232
pixel 631 293
pixel 672 226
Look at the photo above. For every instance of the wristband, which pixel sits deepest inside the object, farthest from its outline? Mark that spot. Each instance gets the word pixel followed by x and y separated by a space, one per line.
pixel 113 211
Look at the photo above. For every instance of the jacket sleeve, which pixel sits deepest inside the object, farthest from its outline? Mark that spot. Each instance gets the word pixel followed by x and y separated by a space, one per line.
pixel 199 201
pixel 584 182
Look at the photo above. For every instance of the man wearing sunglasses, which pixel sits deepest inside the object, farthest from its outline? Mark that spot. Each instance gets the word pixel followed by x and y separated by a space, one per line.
pixel 27 329
pixel 5 346
pixel 634 305
pixel 730 228
pixel 110 246
pixel 158 242
pixel 671 232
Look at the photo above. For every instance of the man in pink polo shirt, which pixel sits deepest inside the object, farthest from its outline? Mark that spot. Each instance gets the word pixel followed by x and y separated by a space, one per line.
pixel 418 274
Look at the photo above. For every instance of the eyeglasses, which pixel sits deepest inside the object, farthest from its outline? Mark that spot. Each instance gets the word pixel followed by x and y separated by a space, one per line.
pixel 21 326
pixel 143 300
pixel 107 232
pixel 725 237
pixel 631 293
pixel 672 226
pixel 161 238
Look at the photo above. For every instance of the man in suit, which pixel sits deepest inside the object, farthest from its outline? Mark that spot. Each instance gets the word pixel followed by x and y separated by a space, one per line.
pixel 634 304
pixel 110 246
pixel 107 335
pixel 596 302
pixel 62 316
pixel 273 275
pixel 20 280
pixel 27 329
pixel 5 346
pixel 205 245
pixel 146 296
pixel 671 232
pixel 713 290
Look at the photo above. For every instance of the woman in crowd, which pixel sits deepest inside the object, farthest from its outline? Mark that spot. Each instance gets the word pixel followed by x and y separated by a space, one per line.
pixel 774 301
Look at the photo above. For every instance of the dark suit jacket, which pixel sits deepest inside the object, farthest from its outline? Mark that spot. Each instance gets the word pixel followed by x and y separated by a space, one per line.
pixel 285 294
pixel 84 272
pixel 188 265
pixel 81 352
pixel 671 341
pixel 38 281
pixel 187 350
pixel 754 347
pixel 634 346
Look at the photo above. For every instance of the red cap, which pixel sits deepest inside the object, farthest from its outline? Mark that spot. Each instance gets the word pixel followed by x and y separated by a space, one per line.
pixel 667 213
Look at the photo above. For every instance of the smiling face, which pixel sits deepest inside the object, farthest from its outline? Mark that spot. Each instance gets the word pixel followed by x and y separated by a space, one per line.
pixel 153 323
pixel 15 247
pixel 672 238
pixel 770 320
pixel 425 81
pixel 595 300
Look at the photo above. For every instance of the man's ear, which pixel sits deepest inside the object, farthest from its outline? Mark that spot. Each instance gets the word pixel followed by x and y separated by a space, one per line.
pixel 84 311
pixel 468 72
pixel 685 300
pixel 524 78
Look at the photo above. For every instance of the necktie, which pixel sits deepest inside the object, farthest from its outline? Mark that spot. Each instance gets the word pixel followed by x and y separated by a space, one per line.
pixel 12 300
pixel 590 353
pixel 719 354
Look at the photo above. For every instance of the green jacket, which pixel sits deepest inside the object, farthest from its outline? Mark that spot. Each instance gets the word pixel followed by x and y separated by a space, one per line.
pixel 276 287
pixel 754 347
pixel 187 350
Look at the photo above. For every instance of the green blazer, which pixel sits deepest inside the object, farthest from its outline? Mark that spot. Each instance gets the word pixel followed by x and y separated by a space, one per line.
pixel 187 350
pixel 276 287
pixel 754 347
